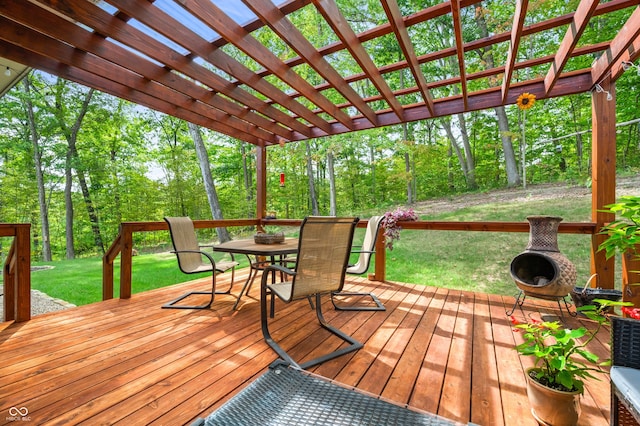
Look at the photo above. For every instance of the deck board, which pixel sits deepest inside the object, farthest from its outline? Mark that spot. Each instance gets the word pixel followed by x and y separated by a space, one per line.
pixel 128 362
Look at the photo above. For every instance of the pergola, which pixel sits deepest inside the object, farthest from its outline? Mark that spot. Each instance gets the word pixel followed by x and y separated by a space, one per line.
pixel 210 63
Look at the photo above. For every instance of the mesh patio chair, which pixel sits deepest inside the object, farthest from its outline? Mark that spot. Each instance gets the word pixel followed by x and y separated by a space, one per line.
pixel 625 371
pixel 192 260
pixel 365 251
pixel 285 395
pixel 323 253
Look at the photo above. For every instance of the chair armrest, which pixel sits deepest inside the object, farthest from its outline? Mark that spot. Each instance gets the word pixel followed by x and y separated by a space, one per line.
pixel 209 257
pixel 278 268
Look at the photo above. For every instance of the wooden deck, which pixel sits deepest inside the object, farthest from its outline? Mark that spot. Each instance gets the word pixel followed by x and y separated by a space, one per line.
pixel 131 362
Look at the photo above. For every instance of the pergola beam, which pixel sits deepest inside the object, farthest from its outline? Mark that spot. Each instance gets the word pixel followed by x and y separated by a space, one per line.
pixel 619 45
pixel 341 27
pixel 213 16
pixel 288 33
pixel 457 30
pixel 583 13
pixel 402 35
pixel 512 55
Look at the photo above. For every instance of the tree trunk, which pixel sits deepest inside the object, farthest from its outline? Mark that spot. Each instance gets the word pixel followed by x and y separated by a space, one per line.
pixel 332 184
pixel 446 124
pixel 37 158
pixel 468 153
pixel 312 189
pixel 205 169
pixel 71 135
pixel 246 175
pixel 68 202
pixel 407 164
pixel 513 178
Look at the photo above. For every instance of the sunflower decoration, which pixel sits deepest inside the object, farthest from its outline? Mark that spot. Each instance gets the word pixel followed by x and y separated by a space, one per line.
pixel 526 100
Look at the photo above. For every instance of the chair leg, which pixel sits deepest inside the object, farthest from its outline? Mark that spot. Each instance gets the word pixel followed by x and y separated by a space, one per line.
pixel 212 293
pixel 172 304
pixel 264 323
pixel 354 345
pixel 378 304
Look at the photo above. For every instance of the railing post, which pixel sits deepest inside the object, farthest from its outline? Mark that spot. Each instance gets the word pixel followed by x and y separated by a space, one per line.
pixel 126 262
pixel 9 274
pixel 380 273
pixel 631 277
pixel 23 273
pixel 107 268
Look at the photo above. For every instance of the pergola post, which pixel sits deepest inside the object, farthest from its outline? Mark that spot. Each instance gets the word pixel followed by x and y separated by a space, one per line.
pixel 603 175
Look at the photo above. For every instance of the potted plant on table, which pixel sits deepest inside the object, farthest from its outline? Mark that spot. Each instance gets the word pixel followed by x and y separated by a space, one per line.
pixel 555 383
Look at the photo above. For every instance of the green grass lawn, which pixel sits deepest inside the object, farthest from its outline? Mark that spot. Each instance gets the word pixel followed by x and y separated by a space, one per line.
pixel 475 261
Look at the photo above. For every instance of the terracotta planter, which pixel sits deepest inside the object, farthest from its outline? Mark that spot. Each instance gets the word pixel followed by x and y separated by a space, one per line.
pixel 553 407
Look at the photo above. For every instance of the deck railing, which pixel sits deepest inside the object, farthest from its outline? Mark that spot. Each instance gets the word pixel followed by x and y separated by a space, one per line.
pixel 123 245
pixel 17 272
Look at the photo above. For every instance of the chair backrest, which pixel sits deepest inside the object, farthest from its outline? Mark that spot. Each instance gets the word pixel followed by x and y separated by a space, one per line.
pixel 323 254
pixel 368 247
pixel 625 342
pixel 183 237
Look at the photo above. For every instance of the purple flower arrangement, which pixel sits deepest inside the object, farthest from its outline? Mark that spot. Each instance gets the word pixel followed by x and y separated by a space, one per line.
pixel 391 227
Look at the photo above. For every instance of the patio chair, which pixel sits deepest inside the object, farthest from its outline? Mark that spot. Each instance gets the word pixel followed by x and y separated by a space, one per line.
pixel 192 260
pixel 323 254
pixel 284 395
pixel 625 371
pixel 365 251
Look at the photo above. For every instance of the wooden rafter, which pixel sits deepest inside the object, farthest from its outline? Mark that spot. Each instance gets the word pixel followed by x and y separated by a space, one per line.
pixel 625 38
pixel 141 51
pixel 457 29
pixel 341 27
pixel 95 17
pixel 512 55
pixel 43 46
pixel 281 25
pixel 631 54
pixel 92 79
pixel 400 29
pixel 179 33
pixel 583 13
pixel 239 37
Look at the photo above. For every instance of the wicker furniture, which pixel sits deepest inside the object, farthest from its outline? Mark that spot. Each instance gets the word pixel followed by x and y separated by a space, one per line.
pixel 192 260
pixel 289 396
pixel 324 246
pixel 625 371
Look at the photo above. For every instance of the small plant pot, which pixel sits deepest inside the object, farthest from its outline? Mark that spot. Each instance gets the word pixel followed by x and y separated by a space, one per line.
pixel 552 407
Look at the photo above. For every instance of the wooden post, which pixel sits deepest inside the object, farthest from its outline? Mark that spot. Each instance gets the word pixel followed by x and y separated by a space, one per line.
pixel 380 273
pixel 23 273
pixel 631 277
pixel 126 260
pixel 261 182
pixel 603 174
pixel 9 274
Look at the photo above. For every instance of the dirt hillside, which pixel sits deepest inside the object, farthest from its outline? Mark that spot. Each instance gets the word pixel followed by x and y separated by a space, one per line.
pixel 625 186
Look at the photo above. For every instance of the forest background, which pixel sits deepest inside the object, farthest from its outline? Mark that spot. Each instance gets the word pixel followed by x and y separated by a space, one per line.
pixel 75 163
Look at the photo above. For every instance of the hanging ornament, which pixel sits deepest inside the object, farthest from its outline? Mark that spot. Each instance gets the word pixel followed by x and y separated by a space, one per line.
pixel 281 180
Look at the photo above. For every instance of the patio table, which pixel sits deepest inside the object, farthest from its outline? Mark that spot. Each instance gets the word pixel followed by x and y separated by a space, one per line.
pixel 250 248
